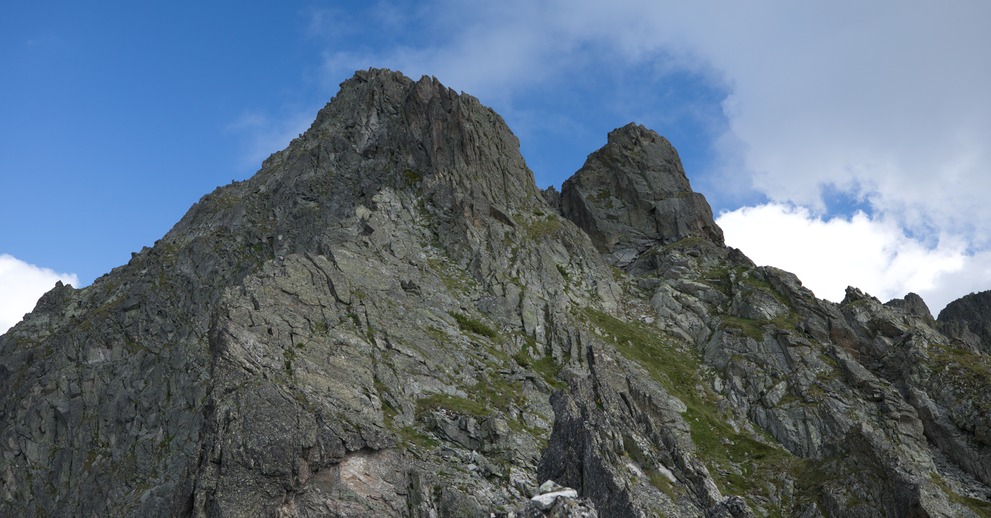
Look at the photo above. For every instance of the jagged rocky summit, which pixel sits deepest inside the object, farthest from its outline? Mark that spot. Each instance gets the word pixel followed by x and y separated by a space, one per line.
pixel 390 319
pixel 633 194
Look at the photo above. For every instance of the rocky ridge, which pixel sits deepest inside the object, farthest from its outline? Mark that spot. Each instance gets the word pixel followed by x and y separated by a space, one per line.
pixel 390 319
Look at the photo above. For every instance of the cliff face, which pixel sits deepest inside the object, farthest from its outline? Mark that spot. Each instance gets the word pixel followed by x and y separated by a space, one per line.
pixel 389 319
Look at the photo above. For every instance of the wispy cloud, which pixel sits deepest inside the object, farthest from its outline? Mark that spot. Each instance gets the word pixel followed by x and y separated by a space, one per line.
pixel 21 285
pixel 883 102
pixel 262 134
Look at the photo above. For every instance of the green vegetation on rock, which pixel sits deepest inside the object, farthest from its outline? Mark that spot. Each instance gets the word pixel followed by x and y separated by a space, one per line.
pixel 744 464
pixel 472 325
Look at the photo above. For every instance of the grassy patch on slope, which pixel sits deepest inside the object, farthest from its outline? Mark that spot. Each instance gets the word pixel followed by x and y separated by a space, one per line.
pixel 741 463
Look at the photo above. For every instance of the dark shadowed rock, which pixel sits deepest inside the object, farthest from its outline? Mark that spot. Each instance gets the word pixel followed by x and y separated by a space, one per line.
pixel 913 304
pixel 969 319
pixel 552 197
pixel 633 193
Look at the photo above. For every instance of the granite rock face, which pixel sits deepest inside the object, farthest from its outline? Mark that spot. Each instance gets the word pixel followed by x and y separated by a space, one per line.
pixel 390 319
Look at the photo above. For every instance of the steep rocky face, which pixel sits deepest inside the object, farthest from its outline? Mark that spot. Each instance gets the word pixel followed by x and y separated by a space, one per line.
pixel 969 320
pixel 633 194
pixel 390 319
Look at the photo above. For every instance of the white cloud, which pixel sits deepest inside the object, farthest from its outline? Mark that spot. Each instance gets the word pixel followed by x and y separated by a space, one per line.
pixel 21 285
pixel 874 255
pixel 973 276
pixel 875 99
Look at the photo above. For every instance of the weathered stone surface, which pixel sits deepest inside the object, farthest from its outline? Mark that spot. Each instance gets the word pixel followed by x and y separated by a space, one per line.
pixel 390 319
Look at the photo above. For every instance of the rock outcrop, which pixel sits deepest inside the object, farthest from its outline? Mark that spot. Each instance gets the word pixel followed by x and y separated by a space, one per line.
pixel 632 194
pixel 969 320
pixel 390 319
pixel 912 303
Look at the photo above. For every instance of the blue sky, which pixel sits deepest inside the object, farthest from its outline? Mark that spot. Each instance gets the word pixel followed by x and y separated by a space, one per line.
pixel 117 118
pixel 863 128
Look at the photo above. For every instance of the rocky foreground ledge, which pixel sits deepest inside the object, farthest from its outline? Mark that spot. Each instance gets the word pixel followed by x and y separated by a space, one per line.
pixel 390 319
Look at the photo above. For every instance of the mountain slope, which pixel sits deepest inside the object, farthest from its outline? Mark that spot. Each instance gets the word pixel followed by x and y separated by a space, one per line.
pixel 390 319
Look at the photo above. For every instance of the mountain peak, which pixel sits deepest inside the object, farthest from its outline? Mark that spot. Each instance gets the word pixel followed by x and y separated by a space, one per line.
pixel 649 159
pixel 425 129
pixel 633 193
